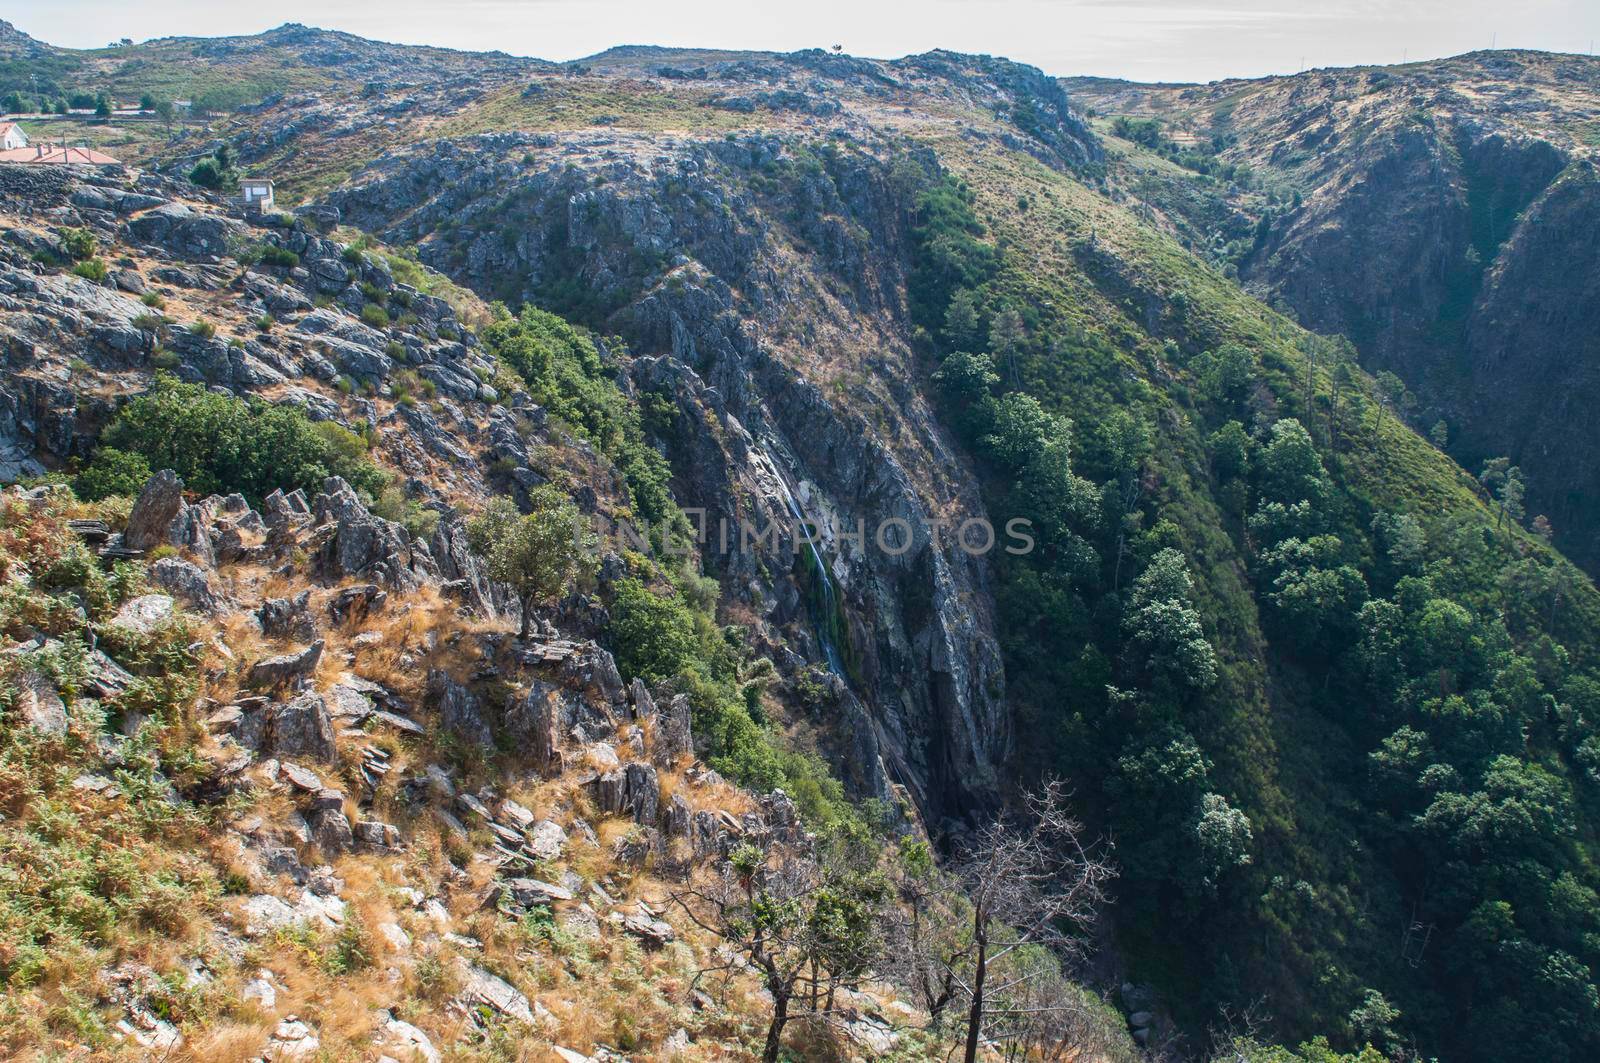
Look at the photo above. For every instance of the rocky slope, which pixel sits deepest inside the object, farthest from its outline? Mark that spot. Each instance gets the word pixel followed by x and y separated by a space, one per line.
pixel 396 829
pixel 1292 661
pixel 1442 218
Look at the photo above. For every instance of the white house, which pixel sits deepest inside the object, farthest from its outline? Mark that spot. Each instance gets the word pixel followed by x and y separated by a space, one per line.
pixel 256 193
pixel 12 136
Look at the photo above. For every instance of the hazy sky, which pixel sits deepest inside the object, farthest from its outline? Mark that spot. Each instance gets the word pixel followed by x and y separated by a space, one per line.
pixel 1186 40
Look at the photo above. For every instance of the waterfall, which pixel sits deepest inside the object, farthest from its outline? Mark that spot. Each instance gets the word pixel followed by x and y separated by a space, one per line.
pixel 829 650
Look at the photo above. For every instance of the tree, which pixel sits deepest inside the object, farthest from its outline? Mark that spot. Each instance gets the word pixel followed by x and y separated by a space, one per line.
pixel 1224 837
pixel 1510 497
pixel 1227 376
pixel 164 111
pixel 540 554
pixel 966 382
pixel 1020 431
pixel 1344 380
pixel 804 926
pixel 1230 451
pixel 1288 467
pixel 963 321
pixel 1127 441
pixel 1404 543
pixel 1007 337
pixel 102 107
pixel 1392 396
pixel 653 634
pixel 147 102
pixel 217 443
pixel 1030 884
pixel 217 171
pixel 112 472
pixel 1165 640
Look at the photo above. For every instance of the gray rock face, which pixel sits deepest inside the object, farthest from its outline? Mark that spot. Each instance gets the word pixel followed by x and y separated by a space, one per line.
pixel 287 669
pixel 926 699
pixel 535 722
pixel 354 603
pixel 40 706
pixel 633 790
pixel 459 710
pixel 457 562
pixel 144 615
pixel 288 617
pixel 154 512
pixel 302 728
pixel 480 987
pixel 331 830
pixel 355 543
pixel 182 231
pixel 185 580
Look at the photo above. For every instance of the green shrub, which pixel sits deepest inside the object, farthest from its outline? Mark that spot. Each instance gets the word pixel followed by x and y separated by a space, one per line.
pixel 153 300
pixel 273 255
pixel 112 472
pixel 92 269
pixel 375 315
pixel 79 244
pixel 264 323
pixel 218 443
pixel 203 328
pixel 654 634
pixel 561 369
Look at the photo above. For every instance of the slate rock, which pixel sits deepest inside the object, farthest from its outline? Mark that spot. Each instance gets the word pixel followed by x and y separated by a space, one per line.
pixel 158 505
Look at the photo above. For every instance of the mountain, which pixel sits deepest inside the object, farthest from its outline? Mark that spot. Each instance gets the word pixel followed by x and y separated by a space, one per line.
pixel 1440 218
pixel 954 428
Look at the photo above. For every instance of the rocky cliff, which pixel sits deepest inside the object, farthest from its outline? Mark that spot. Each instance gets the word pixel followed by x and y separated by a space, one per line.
pixel 1442 218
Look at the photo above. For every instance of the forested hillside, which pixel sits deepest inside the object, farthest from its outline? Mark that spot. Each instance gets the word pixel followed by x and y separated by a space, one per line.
pixel 1279 740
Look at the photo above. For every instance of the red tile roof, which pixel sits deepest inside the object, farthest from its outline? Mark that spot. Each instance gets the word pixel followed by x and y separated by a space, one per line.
pixel 54 155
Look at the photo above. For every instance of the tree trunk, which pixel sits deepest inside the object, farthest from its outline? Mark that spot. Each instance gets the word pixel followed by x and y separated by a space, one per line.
pixel 975 1012
pixel 780 1016
pixel 527 618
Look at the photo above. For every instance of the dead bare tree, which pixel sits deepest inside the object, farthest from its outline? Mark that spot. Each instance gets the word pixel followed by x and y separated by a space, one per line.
pixel 1034 886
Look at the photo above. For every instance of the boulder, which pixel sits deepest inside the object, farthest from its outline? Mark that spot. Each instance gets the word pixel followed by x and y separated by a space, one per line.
pixel 531 891
pixel 158 505
pixel 376 836
pixel 354 603
pixel 302 728
pixel 41 707
pixel 409 1043
pixel 478 986
pixel 353 543
pixel 290 669
pixel 144 615
pixel 634 791
pixel 546 840
pixel 187 581
pixel 288 617
pixel 534 723
pixel 330 829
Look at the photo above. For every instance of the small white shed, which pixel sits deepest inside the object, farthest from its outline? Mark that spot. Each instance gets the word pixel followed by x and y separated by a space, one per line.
pixel 12 136
pixel 257 194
